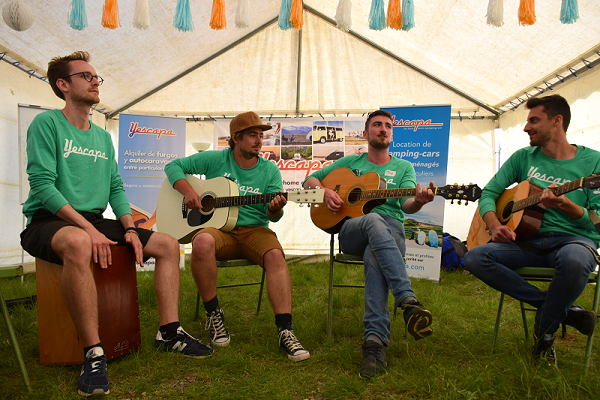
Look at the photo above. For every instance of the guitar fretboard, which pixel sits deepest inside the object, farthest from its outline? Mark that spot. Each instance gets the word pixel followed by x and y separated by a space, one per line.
pixel 536 198
pixel 235 201
pixel 389 193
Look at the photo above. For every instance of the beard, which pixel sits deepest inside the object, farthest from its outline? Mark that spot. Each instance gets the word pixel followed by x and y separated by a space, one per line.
pixel 376 144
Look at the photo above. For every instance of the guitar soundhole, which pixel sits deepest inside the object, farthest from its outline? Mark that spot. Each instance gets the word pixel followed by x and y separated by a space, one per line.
pixel 507 210
pixel 208 204
pixel 354 195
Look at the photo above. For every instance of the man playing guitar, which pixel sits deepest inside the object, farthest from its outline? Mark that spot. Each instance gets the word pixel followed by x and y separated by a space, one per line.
pixel 565 229
pixel 379 238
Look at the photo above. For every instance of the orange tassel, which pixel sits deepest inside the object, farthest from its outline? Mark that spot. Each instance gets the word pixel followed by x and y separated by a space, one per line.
pixel 394 15
pixel 218 20
pixel 296 17
pixel 110 15
pixel 527 12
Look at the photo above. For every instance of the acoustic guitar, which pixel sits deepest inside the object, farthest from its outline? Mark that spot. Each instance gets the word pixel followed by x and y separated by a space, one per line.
pixel 363 193
pixel 519 208
pixel 220 201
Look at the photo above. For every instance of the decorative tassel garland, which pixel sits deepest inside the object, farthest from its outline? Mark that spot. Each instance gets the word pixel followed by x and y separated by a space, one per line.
pixel 183 16
pixel 296 15
pixel 343 15
pixel 77 16
pixel 284 15
pixel 141 16
pixel 495 13
pixel 408 15
pixel 394 15
pixel 527 12
pixel 217 20
pixel 110 15
pixel 569 11
pixel 242 16
pixel 377 16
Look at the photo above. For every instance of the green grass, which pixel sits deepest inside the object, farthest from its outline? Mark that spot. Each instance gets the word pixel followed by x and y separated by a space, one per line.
pixel 454 363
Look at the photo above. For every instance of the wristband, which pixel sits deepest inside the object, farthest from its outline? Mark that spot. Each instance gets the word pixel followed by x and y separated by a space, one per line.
pixel 132 230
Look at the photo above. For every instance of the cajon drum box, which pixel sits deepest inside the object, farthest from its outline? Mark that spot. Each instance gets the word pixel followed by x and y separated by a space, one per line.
pixel 118 311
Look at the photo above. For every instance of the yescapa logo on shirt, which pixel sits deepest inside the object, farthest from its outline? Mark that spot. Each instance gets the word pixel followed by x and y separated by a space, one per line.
pixel 70 149
pixel 532 173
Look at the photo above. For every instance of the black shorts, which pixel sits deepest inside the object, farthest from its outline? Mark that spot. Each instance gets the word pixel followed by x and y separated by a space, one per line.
pixel 36 239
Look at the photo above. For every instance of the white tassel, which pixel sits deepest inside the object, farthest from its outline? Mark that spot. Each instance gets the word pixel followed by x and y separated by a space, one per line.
pixel 242 16
pixel 343 15
pixel 141 17
pixel 495 13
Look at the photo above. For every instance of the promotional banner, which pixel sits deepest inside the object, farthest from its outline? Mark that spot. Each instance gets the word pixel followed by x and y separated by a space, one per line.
pixel 300 146
pixel 146 145
pixel 422 136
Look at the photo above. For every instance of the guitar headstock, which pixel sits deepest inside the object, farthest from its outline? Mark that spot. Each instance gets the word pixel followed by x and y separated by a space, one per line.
pixel 310 196
pixel 592 181
pixel 458 192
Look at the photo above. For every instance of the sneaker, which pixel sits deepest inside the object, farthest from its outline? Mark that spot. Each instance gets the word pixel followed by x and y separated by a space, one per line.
pixel 373 363
pixel 183 343
pixel 581 319
pixel 93 378
pixel 290 344
pixel 215 324
pixel 417 319
pixel 543 349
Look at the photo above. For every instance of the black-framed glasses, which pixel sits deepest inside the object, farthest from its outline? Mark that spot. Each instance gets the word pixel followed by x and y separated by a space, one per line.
pixel 87 76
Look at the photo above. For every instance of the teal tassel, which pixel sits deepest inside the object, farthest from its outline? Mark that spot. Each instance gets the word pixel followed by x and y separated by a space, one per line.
pixel 78 17
pixel 183 16
pixel 569 11
pixel 408 15
pixel 284 15
pixel 377 16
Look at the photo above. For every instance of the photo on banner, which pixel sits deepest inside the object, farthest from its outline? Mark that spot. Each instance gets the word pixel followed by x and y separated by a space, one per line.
pixel 146 145
pixel 422 136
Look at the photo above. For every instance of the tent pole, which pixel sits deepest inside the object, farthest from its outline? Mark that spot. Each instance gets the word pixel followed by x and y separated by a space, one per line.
pixel 299 72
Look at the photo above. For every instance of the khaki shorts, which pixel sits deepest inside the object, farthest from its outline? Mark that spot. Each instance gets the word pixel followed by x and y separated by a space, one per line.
pixel 249 242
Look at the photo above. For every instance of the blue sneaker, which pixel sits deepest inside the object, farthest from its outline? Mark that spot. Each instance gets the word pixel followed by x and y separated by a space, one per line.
pixel 183 343
pixel 93 378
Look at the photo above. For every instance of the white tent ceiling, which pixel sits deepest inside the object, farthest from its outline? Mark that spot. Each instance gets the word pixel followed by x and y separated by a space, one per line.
pixel 451 56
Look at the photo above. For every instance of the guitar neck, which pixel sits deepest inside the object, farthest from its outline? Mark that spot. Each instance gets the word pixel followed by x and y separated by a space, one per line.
pixel 390 193
pixel 536 198
pixel 235 201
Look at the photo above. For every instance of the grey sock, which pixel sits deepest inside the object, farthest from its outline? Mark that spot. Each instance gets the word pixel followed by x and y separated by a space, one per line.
pixel 374 338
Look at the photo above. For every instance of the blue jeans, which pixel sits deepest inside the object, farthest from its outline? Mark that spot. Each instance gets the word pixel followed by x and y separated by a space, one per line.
pixel 494 263
pixel 380 240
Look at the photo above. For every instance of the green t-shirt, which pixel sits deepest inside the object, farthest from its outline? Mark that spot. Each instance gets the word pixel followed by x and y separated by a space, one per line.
pixel 70 166
pixel 531 164
pixel 397 173
pixel 263 178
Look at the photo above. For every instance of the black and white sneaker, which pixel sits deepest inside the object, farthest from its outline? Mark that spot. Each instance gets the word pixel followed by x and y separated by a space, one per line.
pixel 291 345
pixel 183 343
pixel 417 319
pixel 215 324
pixel 93 378
pixel 581 319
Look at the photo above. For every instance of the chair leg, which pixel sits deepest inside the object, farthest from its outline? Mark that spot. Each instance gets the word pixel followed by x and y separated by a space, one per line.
pixel 330 300
pixel 588 348
pixel 197 306
pixel 524 321
pixel 497 326
pixel 260 292
pixel 14 343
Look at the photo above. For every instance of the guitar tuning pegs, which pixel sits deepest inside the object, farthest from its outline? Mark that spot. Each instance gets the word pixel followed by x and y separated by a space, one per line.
pixel 466 202
pixel 459 202
pixel 451 201
pixel 301 205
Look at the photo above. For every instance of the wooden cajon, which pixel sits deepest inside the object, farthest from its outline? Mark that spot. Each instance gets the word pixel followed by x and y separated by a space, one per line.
pixel 118 311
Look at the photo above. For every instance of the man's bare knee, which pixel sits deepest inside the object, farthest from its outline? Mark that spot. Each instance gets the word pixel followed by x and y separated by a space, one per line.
pixel 71 243
pixel 203 243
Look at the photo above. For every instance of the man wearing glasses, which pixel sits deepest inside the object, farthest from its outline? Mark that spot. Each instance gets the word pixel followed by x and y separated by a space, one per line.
pixel 73 175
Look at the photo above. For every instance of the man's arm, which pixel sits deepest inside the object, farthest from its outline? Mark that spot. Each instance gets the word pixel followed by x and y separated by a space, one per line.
pixel 332 199
pixel 424 195
pixel 132 237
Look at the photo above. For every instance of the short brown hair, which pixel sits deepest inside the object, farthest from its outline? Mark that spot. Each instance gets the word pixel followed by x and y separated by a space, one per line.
pixel 59 67
pixel 553 105
pixel 376 114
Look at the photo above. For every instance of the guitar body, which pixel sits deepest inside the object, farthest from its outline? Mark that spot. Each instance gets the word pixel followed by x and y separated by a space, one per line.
pixel 175 219
pixel 349 187
pixel 525 223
